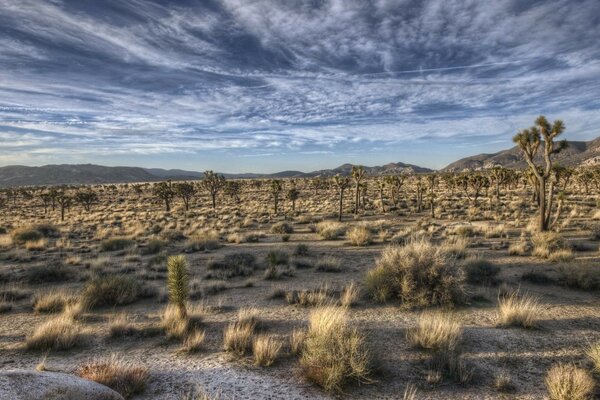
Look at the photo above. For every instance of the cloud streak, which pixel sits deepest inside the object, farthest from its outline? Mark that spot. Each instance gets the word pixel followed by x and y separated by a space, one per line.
pixel 96 81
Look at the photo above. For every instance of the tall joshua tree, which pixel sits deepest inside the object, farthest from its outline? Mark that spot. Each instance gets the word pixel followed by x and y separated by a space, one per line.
pixel 276 188
pixel 358 173
pixel 213 183
pixel 165 192
pixel 86 198
pixel 381 185
pixel 542 135
pixel 178 281
pixel 185 190
pixel 64 201
pixel 342 183
pixel 292 195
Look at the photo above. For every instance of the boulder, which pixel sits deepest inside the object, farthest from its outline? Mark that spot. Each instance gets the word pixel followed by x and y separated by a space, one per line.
pixel 34 385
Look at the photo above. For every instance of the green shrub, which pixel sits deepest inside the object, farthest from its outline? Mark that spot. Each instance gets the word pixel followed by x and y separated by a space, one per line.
pixel 112 290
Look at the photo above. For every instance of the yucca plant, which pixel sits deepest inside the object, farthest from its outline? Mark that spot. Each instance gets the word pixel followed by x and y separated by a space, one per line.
pixel 178 280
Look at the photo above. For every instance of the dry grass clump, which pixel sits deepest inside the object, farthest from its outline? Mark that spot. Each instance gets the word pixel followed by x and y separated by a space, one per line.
pixel 121 376
pixel 59 333
pixel 116 243
pixel 350 295
pixel 281 228
pixel 329 264
pixel 503 382
pixel 203 241
pixel 333 353
pixel 265 349
pixel 111 291
pixel 36 245
pixel 177 324
pixel 120 326
pixel 297 339
pixel 568 382
pixel 419 274
pixel 330 230
pixel 45 273
pixel 435 331
pixel 518 310
pixel 519 248
pixel 481 272
pixel 194 341
pixel 593 354
pixel 497 231
pixel 51 302
pixel 33 233
pixel 456 246
pixel 550 245
pixel 360 235
pixel 309 298
pixel 237 338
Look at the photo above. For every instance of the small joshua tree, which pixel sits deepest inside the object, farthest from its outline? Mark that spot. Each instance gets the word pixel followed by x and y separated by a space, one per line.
pixel 165 192
pixel 420 189
pixel 64 201
pixel 358 173
pixel 46 200
pixel 395 183
pixel 432 180
pixel 233 190
pixel 137 189
pixel 499 176
pixel 381 185
pixel 292 195
pixel 342 183
pixel 542 134
pixel 86 198
pixel 185 190
pixel 276 188
pixel 476 182
pixel 178 281
pixel 213 183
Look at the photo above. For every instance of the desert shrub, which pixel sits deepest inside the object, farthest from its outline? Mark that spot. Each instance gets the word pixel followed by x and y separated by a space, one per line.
pixel 595 230
pixel 497 231
pixel 116 243
pixel 51 302
pixel 237 338
pixel 518 310
pixel 537 277
pixel 419 274
pixel 301 250
pixel 593 354
pixel 34 233
pixel 51 272
pixel 302 263
pixel 435 331
pixel 359 236
pixel 173 235
pixel 203 241
pixel 60 333
pixel 581 276
pixel 308 298
pixel 243 237
pixel 550 245
pixel 234 264
pixel 277 257
pixel 350 294
pixel 154 246
pixel 333 353
pixel 176 324
pixel 281 228
pixel 121 376
pixel 112 290
pixel 519 248
pixel 503 382
pixel 330 230
pixel 568 382
pixel 265 349
pixel 297 341
pixel 480 271
pixel 120 326
pixel 194 341
pixel 329 264
pixel 456 246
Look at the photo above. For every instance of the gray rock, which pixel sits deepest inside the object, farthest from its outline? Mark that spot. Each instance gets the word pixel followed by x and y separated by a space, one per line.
pixel 33 385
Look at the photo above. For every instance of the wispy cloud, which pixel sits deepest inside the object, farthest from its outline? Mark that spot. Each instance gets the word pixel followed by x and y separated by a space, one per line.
pixel 267 78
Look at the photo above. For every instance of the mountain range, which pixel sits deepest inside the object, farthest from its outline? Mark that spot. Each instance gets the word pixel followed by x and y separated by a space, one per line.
pixel 578 153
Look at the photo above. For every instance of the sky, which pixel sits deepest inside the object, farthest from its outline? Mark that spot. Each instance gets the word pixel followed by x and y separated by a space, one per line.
pixel 266 85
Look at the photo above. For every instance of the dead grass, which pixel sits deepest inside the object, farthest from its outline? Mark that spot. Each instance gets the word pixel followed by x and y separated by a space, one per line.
pixel 333 352
pixel 568 382
pixel 265 349
pixel 59 333
pixel 121 376
pixel 359 236
pixel 330 230
pixel 518 310
pixel 593 354
pixel 435 331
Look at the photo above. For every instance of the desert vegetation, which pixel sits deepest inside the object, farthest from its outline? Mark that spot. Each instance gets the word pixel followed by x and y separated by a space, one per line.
pixel 453 285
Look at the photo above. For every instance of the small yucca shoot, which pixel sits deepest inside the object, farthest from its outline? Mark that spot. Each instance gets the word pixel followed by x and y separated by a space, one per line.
pixel 178 280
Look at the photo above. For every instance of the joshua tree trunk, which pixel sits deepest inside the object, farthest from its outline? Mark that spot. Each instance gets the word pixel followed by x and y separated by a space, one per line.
pixel 341 205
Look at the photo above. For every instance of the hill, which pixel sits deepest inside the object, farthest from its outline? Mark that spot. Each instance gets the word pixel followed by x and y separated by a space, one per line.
pixel 578 153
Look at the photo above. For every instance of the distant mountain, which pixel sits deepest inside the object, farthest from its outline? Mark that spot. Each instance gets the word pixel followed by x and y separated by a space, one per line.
pixel 578 153
pixel 78 174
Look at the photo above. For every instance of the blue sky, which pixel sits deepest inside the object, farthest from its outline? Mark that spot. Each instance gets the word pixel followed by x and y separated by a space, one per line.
pixel 265 85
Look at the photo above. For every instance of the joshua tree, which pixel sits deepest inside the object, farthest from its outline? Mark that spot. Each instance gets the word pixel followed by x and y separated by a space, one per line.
pixel 64 201
pixel 185 190
pixel 476 182
pixel 276 188
pixel 358 173
pixel 178 281
pixel 292 195
pixel 342 183
pixel 419 187
pixel 499 176
pixel 432 180
pixel 164 191
pixel 213 183
pixel 585 176
pixel 233 190
pixel 86 198
pixel 395 182
pixel 137 189
pixel 46 200
pixel 529 141
pixel 381 185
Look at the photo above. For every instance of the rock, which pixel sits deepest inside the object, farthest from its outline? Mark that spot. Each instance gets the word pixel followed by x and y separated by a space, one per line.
pixel 33 385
